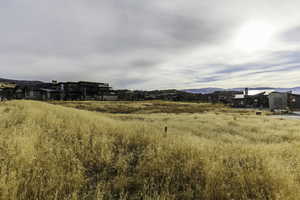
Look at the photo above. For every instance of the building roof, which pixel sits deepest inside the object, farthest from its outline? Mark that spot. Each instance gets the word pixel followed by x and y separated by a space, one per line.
pixel 257 92
pixel 253 93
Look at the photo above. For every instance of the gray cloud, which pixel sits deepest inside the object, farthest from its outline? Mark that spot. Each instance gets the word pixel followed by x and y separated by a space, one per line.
pixel 132 43
pixel 292 35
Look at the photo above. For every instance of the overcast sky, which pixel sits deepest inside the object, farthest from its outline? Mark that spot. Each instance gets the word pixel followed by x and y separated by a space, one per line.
pixel 152 44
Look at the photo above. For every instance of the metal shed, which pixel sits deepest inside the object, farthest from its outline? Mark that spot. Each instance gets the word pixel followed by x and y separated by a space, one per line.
pixel 284 101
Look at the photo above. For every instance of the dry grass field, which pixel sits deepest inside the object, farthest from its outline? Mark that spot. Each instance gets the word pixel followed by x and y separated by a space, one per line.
pixel 148 107
pixel 123 152
pixel 6 85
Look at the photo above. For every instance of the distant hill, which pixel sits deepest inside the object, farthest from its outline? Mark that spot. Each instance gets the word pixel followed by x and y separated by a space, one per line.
pixel 204 90
pixel 295 90
pixel 19 82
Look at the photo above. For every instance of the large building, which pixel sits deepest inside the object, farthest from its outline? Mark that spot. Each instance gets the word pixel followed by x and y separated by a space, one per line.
pixel 60 91
pixel 284 101
pixel 83 90
pixel 252 99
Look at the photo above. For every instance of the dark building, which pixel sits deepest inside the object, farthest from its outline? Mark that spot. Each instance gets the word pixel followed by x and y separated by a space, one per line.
pixel 259 100
pixel 60 91
pixel 41 91
pixel 284 101
pixel 6 93
pixel 83 90
pixel 294 101
pixel 225 97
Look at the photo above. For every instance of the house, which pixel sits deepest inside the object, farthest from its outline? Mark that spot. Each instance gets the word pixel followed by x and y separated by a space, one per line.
pixel 59 91
pixel 7 93
pixel 225 97
pixel 252 99
pixel 284 101
pixel 33 93
pixel 294 101
pixel 83 90
pixel 19 92
pixel 50 94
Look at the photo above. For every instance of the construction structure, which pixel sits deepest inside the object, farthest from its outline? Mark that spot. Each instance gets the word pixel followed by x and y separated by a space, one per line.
pixel 284 101
pixel 251 99
pixel 81 90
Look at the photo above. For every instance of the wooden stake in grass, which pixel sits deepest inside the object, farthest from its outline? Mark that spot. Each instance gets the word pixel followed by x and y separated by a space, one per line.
pixel 91 142
pixel 165 131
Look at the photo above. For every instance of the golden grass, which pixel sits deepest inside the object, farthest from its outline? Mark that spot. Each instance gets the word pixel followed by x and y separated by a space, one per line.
pixel 53 152
pixel 146 107
pixel 7 85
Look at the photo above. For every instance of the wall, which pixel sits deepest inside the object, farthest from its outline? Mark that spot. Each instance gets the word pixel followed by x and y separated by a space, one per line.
pixel 278 101
pixel 294 102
